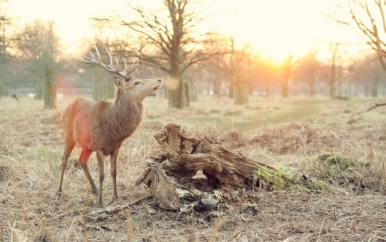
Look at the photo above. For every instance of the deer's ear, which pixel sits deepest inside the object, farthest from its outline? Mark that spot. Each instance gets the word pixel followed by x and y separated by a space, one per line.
pixel 118 82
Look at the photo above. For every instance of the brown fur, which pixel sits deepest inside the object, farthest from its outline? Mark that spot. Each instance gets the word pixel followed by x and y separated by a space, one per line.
pixel 103 126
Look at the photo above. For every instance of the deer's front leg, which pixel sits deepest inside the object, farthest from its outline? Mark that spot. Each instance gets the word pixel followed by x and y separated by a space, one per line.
pixel 100 158
pixel 113 172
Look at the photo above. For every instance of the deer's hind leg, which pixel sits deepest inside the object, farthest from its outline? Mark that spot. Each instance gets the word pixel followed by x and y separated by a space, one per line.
pixel 113 172
pixel 83 158
pixel 69 144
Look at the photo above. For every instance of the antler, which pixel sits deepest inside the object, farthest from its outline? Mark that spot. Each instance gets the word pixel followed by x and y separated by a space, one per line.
pixel 126 73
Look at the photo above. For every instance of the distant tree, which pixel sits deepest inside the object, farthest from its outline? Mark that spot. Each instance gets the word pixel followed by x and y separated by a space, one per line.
pixel 169 41
pixel 268 73
pixel 368 72
pixel 216 70
pixel 332 70
pixel 39 48
pixel 286 69
pixel 240 69
pixel 6 40
pixel 308 70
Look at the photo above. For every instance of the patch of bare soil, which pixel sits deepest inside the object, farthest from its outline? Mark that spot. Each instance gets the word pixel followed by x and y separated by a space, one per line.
pixel 345 156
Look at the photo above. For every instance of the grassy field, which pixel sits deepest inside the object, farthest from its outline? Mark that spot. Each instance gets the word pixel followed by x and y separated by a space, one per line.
pixel 319 138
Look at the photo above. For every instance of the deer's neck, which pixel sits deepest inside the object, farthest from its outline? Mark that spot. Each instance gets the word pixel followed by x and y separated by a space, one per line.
pixel 124 117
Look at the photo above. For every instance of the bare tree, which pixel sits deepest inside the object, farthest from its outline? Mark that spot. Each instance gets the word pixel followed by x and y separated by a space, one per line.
pixel 39 47
pixel 332 70
pixel 308 70
pixel 216 70
pixel 286 68
pixel 102 88
pixel 370 18
pixel 268 73
pixel 6 40
pixel 168 41
pixel 5 23
pixel 239 68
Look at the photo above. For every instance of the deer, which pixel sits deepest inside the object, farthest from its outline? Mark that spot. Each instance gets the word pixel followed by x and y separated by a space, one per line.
pixel 103 126
pixel 14 96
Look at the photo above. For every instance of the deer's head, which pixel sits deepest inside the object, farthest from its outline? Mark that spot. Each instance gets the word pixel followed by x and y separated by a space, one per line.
pixel 132 87
pixel 137 88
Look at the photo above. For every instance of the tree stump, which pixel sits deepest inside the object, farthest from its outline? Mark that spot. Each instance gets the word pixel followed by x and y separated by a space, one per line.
pixel 195 167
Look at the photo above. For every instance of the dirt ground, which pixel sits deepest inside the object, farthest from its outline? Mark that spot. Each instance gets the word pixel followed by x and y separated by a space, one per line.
pixel 354 209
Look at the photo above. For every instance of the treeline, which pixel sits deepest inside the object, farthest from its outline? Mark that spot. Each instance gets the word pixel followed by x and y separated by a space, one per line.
pixel 171 45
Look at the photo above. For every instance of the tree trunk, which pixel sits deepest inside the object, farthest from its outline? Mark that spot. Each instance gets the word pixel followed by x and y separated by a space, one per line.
pixel 53 91
pixel 241 93
pixel 176 92
pixel 374 91
pixel 50 95
pixel 40 89
pixel 187 94
pixel 311 86
pixel 332 91
pixel 194 92
pixel 231 90
pixel 285 89
pixel 217 88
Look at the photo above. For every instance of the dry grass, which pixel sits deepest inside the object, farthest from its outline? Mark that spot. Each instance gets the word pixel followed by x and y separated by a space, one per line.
pixel 318 138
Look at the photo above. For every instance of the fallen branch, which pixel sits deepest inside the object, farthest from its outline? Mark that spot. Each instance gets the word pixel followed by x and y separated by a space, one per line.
pixel 116 209
pixel 371 108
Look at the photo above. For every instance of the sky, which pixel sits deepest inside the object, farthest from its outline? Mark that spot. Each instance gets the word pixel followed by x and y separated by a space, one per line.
pixel 274 28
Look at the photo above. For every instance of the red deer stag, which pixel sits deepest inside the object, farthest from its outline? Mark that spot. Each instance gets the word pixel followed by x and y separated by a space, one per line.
pixel 103 126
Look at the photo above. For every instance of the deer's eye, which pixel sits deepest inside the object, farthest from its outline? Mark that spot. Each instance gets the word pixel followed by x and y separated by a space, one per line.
pixel 136 83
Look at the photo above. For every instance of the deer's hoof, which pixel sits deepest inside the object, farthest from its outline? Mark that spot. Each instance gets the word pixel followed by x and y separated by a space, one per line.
pixel 99 204
pixel 113 200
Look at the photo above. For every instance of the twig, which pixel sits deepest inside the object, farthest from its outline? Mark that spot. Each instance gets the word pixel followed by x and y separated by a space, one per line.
pixel 8 158
pixel 120 207
pixel 85 238
pixel 321 229
pixel 23 210
pixel 375 106
pixel 130 230
pixel 70 229
pixel 215 228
